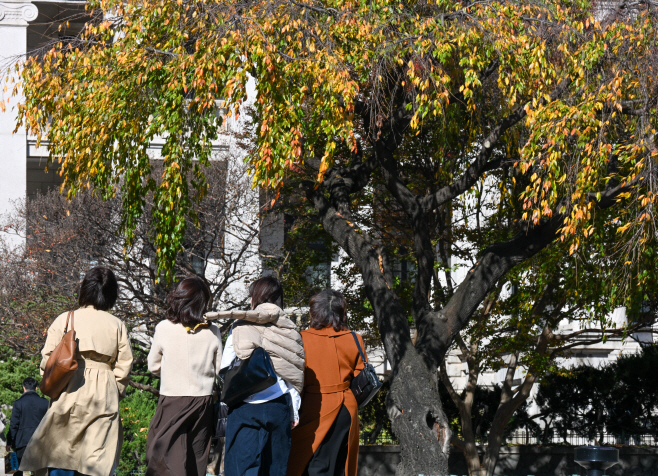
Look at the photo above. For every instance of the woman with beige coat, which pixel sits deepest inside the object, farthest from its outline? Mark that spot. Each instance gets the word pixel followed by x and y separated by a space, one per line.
pixel 81 432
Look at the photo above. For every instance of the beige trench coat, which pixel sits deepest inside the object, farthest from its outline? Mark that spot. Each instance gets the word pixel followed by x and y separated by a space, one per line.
pixel 82 429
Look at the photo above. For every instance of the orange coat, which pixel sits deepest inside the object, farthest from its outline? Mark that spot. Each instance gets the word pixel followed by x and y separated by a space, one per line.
pixel 332 361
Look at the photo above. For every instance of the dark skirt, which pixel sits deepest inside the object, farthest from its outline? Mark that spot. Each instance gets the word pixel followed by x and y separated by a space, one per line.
pixel 330 457
pixel 178 442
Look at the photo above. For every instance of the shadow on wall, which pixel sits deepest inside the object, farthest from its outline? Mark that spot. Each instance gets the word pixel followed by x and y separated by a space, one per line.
pixel 519 461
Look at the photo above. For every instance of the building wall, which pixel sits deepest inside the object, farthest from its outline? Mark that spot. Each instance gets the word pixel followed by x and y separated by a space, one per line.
pixel 14 19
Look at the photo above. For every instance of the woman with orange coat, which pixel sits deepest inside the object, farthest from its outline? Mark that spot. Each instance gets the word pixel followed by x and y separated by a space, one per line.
pixel 326 441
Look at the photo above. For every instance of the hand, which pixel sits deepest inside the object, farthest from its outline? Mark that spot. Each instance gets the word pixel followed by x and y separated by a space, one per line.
pixel 293 424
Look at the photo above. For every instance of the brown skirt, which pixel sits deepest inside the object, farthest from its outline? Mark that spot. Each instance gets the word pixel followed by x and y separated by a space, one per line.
pixel 178 442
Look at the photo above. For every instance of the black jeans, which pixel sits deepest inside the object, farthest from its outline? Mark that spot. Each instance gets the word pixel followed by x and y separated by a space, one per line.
pixel 258 438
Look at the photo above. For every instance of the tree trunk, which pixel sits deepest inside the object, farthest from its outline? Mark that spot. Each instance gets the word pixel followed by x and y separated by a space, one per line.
pixel 470 449
pixel 414 403
pixel 505 411
pixel 417 419
pixel 465 406
pixel 495 441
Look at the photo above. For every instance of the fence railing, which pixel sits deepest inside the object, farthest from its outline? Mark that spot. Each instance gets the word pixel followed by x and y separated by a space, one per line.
pixel 522 437
pixel 382 439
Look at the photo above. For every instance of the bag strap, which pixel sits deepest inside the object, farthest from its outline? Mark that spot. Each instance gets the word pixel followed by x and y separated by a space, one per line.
pixel 69 316
pixel 358 346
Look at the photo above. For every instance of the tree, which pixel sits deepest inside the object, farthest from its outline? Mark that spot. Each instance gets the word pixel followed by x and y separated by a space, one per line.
pixel 554 101
pixel 518 327
pixel 526 350
pixel 635 385
pixel 63 239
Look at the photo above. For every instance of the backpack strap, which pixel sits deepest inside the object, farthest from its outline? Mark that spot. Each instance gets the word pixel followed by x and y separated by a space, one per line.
pixel 358 346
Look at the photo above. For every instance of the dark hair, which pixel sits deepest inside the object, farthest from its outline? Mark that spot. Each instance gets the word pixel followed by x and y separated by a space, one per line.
pixel 328 308
pixel 30 383
pixel 99 289
pixel 187 302
pixel 267 289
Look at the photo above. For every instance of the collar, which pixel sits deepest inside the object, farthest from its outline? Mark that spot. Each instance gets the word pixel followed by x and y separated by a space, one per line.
pixel 327 331
pixel 200 325
pixel 29 391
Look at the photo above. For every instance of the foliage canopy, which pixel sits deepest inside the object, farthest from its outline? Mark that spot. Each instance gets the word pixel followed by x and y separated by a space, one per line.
pixel 578 77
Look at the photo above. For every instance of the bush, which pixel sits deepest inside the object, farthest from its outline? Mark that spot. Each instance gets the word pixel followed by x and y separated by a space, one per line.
pixel 13 370
pixel 619 398
pixel 137 409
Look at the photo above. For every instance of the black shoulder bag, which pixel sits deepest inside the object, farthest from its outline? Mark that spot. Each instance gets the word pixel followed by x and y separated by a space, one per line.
pixel 243 378
pixel 222 415
pixel 366 384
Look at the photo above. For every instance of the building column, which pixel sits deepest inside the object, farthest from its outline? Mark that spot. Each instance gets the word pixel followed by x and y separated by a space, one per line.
pixel 14 18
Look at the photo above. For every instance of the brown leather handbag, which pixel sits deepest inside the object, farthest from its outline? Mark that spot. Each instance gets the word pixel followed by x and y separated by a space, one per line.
pixel 61 364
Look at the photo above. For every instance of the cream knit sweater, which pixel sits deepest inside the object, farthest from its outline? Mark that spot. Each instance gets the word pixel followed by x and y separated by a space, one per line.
pixel 187 363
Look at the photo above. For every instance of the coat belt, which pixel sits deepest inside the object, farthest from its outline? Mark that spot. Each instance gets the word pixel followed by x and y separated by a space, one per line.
pixel 341 387
pixel 94 364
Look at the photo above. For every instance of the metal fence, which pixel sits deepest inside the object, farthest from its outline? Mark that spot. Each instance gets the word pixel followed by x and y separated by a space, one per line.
pixel 383 438
pixel 522 437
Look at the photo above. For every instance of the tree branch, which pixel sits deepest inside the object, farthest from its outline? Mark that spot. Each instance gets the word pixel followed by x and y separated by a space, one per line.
pixel 483 163
pixel 436 333
pixel 369 257
pixel 146 388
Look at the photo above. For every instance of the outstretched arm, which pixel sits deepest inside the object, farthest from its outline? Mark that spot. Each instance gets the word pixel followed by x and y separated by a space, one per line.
pixel 257 317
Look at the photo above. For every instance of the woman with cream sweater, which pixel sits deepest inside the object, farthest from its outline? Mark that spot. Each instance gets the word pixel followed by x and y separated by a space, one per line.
pixel 185 354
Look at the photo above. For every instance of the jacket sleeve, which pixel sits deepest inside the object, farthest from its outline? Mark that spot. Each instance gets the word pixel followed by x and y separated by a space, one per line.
pixel 124 361
pixel 154 358
pixel 53 338
pixel 14 424
pixel 255 317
